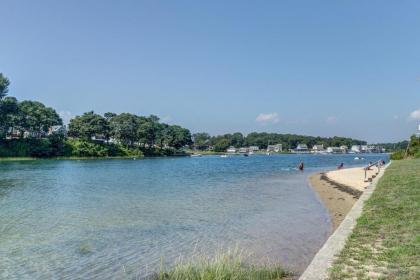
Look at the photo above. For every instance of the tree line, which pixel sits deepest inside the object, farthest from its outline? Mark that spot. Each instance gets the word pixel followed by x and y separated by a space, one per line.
pixel 129 129
pixel 111 134
pixel 220 143
pixel 27 125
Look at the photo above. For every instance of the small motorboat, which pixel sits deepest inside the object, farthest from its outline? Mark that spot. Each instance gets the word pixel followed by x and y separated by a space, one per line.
pixel 246 155
pixel 356 158
pixel 196 155
pixel 267 154
pixel 224 156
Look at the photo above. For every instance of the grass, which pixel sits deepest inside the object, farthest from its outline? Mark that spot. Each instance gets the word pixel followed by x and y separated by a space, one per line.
pixel 226 266
pixel 385 243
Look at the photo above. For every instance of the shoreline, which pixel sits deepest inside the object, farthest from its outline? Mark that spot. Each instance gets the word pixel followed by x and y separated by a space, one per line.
pixel 340 189
pixel 337 202
pixel 323 260
pixel 84 158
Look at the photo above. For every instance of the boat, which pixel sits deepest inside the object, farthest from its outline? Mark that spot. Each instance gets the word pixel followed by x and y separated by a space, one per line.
pixel 245 155
pixel 356 158
pixel 267 154
pixel 224 156
pixel 196 155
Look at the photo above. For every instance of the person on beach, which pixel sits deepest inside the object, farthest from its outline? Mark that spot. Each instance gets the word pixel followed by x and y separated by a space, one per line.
pixel 341 166
pixel 301 166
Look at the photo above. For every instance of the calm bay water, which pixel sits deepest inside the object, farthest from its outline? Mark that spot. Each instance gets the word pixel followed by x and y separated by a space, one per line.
pixel 116 219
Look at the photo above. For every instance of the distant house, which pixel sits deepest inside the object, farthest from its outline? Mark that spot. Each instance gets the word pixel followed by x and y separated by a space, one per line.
pixel 364 148
pixel 99 138
pixel 275 148
pixel 318 148
pixel 231 150
pixel 243 150
pixel 57 129
pixel 356 148
pixel 253 148
pixel 301 148
pixel 34 134
pixel 334 150
pixel 375 149
pixel 344 149
pixel 12 133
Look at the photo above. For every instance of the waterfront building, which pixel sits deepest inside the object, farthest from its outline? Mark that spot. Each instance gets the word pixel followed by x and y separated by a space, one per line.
pixel 231 150
pixel 318 148
pixel 275 148
pixel 301 148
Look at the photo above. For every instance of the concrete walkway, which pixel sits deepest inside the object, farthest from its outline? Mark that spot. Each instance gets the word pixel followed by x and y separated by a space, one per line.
pixel 318 268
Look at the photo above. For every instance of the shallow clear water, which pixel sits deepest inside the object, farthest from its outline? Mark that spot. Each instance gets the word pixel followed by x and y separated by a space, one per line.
pixel 113 219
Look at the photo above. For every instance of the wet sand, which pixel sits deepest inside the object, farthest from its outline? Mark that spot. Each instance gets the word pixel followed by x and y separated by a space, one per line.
pixel 337 198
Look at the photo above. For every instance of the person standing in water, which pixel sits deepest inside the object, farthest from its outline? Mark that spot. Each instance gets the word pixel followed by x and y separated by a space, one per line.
pixel 301 166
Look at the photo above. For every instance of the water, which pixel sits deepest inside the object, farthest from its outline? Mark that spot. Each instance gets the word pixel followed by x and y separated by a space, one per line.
pixel 116 219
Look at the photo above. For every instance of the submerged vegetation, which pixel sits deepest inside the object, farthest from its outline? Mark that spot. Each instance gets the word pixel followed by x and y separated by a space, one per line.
pixel 385 243
pixel 226 266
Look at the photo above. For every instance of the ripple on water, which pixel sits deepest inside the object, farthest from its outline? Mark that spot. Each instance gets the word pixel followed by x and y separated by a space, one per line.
pixel 117 218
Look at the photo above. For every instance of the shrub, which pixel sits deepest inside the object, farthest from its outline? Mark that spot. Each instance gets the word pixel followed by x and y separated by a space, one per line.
pixel 398 155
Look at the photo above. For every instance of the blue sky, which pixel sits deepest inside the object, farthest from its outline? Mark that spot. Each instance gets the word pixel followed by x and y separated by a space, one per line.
pixel 348 68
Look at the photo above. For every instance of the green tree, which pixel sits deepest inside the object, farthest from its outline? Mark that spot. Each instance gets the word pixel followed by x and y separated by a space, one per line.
pixel 4 86
pixel 178 136
pixel 124 128
pixel 36 117
pixel 148 130
pixel 201 140
pixel 8 114
pixel 88 125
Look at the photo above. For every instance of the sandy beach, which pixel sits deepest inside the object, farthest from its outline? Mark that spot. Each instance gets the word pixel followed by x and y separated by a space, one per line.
pixel 340 189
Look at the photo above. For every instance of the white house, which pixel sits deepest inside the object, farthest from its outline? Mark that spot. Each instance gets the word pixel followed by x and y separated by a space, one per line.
pixel 356 148
pixel 243 150
pixel 318 148
pixel 344 149
pixel 253 148
pixel 12 133
pixel 334 150
pixel 275 148
pixel 301 148
pixel 57 129
pixel 98 138
pixel 231 150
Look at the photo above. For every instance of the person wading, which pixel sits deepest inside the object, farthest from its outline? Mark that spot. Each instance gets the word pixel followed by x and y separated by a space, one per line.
pixel 301 166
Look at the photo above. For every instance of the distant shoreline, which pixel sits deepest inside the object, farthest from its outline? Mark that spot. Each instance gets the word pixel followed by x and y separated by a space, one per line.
pixel 84 158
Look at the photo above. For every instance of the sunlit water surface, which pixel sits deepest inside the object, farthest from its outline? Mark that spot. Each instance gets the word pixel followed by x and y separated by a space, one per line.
pixel 113 219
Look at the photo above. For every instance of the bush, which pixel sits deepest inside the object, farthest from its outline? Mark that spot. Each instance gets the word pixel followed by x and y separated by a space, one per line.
pixel 398 155
pixel 82 148
pixel 33 147
pixel 413 150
